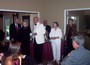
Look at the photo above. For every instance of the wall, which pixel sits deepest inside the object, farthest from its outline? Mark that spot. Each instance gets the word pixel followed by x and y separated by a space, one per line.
pixel 28 5
pixel 53 10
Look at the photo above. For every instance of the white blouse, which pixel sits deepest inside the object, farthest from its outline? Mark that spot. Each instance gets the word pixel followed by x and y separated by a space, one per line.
pixel 56 33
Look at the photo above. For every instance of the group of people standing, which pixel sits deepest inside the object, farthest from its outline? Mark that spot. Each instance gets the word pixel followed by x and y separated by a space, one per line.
pixel 40 34
pixel 54 34
pixel 21 33
pixel 19 45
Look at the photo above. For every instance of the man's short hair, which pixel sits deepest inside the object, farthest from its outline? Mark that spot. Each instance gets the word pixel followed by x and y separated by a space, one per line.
pixel 71 20
pixel 79 40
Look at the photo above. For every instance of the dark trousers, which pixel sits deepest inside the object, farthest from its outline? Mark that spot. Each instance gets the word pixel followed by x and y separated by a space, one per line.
pixel 25 48
pixel 38 52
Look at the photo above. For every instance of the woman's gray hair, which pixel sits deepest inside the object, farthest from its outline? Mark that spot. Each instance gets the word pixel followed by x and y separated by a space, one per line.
pixel 56 23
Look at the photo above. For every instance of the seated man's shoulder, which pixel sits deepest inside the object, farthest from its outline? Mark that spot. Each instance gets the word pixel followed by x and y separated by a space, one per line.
pixel 80 53
pixel 8 61
pixel 75 53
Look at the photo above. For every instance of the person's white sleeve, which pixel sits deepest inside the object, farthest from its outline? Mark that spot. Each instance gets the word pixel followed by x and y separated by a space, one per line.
pixel 60 34
pixel 30 34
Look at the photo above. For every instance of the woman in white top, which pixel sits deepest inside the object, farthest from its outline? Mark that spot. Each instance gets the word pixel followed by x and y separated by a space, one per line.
pixel 55 36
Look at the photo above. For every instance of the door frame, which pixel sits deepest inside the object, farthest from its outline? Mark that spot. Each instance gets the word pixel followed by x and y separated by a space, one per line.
pixel 19 11
pixel 66 14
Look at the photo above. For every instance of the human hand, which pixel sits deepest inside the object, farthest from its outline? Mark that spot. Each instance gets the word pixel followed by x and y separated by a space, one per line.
pixel 53 38
pixel 1 54
pixel 34 34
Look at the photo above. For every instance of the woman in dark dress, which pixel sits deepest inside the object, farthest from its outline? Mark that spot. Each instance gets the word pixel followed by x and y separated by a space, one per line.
pixel 24 38
pixel 70 32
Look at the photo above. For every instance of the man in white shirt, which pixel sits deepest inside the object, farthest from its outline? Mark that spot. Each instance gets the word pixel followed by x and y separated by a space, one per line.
pixel 38 33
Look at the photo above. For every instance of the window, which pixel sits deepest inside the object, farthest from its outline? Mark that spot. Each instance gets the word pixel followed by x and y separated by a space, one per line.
pixel 7 25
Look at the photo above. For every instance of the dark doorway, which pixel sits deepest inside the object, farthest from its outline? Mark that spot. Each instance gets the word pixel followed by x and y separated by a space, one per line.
pixel 15 16
pixel 27 19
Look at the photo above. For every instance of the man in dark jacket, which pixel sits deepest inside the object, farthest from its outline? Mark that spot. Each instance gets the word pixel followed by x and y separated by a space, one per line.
pixel 48 29
pixel 14 27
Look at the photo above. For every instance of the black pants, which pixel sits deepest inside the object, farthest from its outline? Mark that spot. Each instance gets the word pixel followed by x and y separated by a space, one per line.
pixel 25 48
pixel 38 52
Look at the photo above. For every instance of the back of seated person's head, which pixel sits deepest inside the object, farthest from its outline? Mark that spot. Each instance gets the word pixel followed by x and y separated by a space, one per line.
pixel 78 41
pixel 13 50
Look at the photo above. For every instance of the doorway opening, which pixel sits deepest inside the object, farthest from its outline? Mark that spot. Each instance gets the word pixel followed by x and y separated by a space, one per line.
pixel 81 19
pixel 7 17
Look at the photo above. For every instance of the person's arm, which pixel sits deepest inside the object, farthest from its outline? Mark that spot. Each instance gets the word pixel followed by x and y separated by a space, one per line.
pixel 48 28
pixel 51 35
pixel 1 54
pixel 54 38
pixel 60 34
pixel 11 32
pixel 30 30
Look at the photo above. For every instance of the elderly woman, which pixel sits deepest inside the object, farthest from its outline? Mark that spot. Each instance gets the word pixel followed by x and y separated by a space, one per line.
pixel 24 38
pixel 55 36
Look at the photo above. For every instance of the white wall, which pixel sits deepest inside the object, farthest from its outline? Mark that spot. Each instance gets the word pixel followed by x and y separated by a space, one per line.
pixel 53 10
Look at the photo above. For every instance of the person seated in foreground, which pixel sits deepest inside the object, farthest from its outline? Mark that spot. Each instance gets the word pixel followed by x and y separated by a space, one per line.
pixel 79 56
pixel 14 57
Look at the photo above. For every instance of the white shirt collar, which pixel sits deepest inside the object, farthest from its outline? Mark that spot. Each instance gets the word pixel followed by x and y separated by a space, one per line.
pixel 38 23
